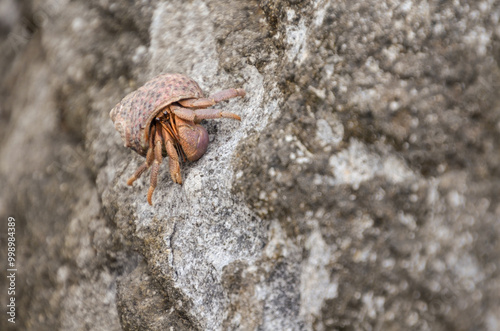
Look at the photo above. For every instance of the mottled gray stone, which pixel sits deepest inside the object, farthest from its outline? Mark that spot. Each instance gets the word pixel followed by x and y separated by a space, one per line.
pixel 360 191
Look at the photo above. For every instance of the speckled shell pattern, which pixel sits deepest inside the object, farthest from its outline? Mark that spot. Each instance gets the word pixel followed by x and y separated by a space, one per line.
pixel 135 112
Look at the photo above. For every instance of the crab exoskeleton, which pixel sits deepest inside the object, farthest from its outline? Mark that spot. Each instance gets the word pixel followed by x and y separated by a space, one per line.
pixel 162 117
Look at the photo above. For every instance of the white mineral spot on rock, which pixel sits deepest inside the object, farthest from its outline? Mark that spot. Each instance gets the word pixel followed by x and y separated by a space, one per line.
pixel 78 24
pixel 372 304
pixel 139 53
pixel 316 286
pixel 296 35
pixel 357 164
pixel 328 135
pixel 388 263
pixel 361 224
pixel 391 53
pixel 319 16
pixel 412 319
pixel 271 172
pixel 480 39
pixel 194 182
pixel 278 245
pixel 393 105
pixel 320 93
pixel 354 165
pixel 396 171
pixel 405 6
pixel 455 199
pixel 63 273
pixel 303 160
pixel 362 255
pixel 492 321
pixel 364 97
pixel 408 220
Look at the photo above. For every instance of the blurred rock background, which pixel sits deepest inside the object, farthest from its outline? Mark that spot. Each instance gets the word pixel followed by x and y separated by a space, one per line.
pixel 361 190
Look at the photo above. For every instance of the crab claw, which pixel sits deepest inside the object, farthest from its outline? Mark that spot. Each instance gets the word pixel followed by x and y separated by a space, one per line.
pixel 193 139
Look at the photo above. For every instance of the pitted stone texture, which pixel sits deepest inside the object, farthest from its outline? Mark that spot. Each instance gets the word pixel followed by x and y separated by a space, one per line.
pixel 359 191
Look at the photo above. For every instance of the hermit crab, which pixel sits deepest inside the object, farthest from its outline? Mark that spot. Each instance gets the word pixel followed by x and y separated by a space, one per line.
pixel 163 118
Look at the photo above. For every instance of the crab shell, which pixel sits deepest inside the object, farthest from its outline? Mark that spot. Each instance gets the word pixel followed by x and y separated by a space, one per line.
pixel 133 115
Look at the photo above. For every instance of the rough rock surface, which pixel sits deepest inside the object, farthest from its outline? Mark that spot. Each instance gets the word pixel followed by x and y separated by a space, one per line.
pixel 360 191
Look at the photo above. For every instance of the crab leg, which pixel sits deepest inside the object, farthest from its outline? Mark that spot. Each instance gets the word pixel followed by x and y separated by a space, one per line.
pixel 173 157
pixel 213 99
pixel 205 114
pixel 227 94
pixel 156 163
pixel 201 114
pixel 184 113
pixel 147 163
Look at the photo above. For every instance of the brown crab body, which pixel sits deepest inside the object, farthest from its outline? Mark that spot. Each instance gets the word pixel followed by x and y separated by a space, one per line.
pixel 134 114
pixel 162 117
